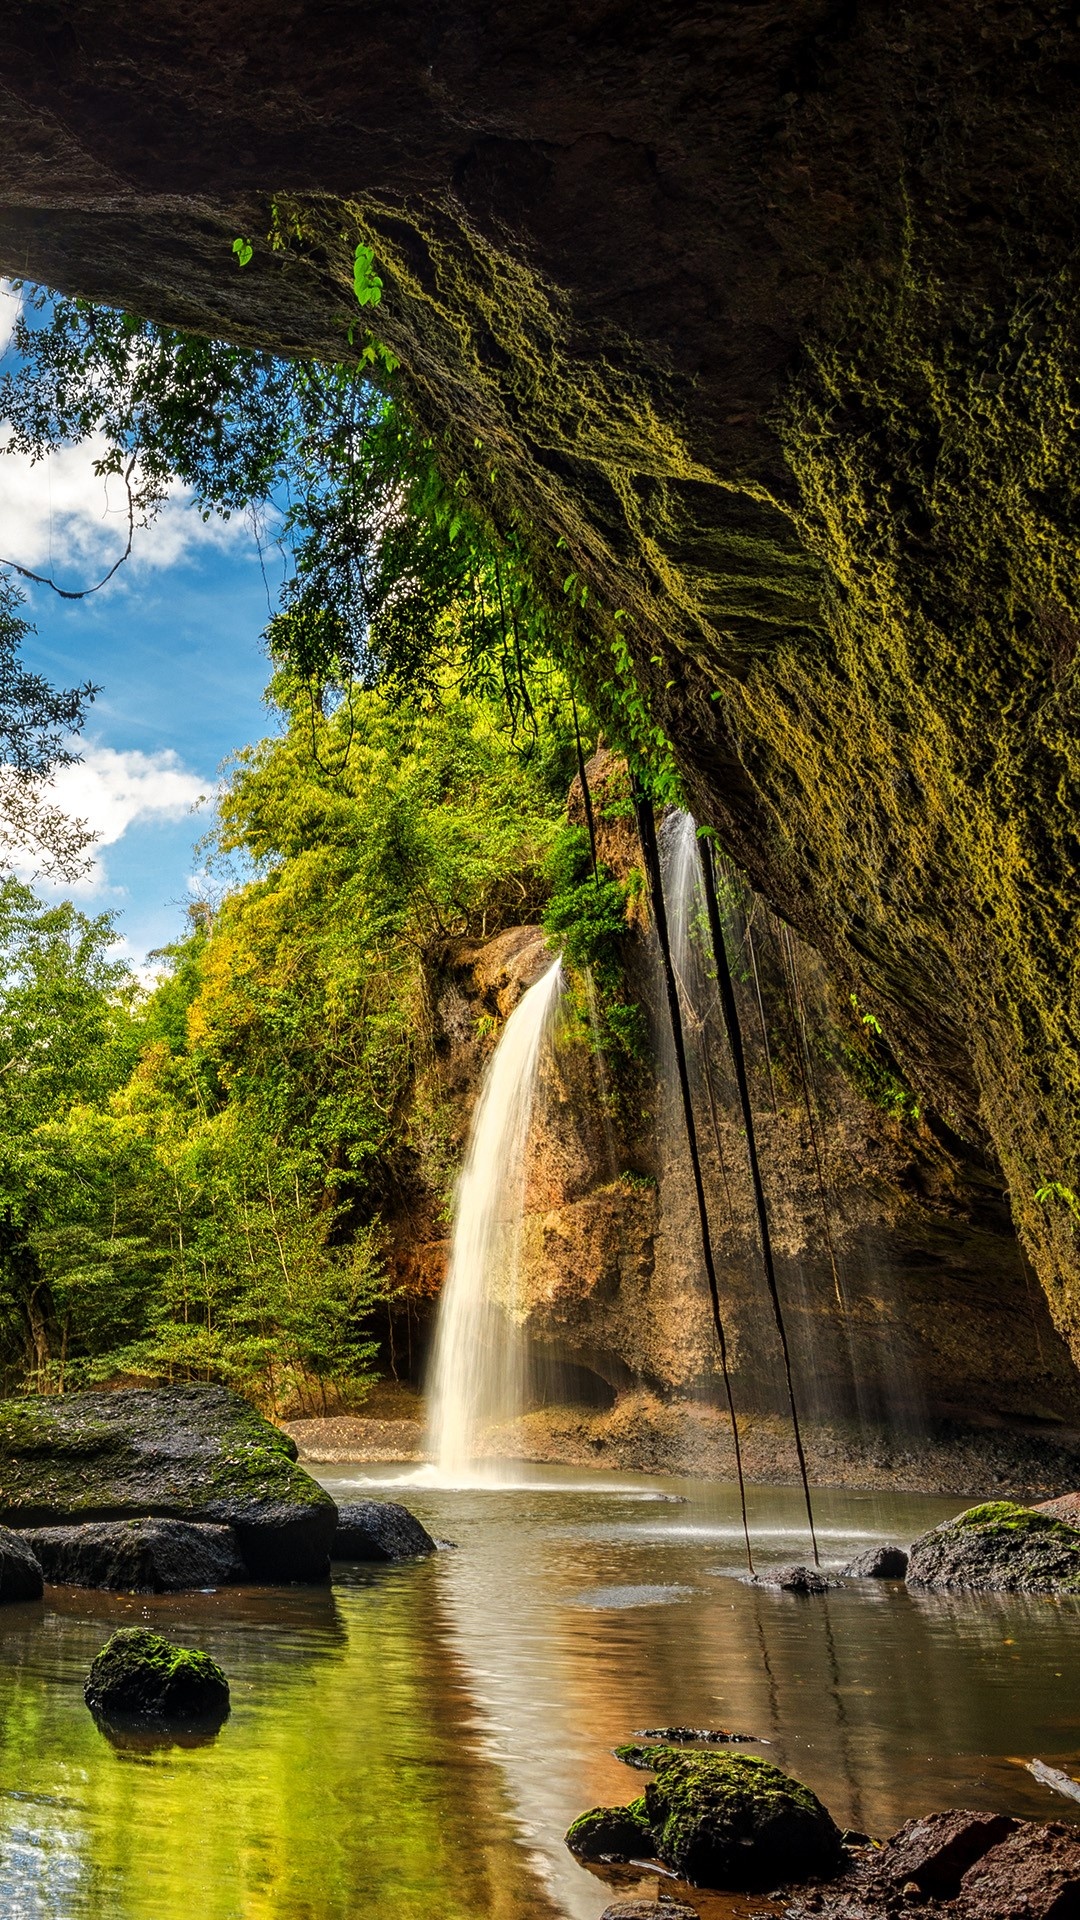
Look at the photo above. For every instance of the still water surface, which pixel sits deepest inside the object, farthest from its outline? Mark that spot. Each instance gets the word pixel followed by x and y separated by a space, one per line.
pixel 412 1742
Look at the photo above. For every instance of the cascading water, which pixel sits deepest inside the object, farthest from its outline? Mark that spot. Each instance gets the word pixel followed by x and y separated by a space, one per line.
pixel 478 1366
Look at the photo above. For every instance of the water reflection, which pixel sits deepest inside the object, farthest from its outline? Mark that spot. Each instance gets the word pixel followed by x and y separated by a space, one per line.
pixel 564 1618
pixel 415 1740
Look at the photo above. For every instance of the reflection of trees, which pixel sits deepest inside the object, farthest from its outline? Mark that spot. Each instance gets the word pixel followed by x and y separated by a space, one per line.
pixel 339 1780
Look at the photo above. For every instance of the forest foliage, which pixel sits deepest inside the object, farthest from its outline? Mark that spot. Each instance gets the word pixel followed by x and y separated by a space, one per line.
pixel 194 1179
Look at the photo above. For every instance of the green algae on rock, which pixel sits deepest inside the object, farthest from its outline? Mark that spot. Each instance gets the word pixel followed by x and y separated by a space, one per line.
pixel 197 1453
pixel 141 1675
pixel 611 1833
pixel 721 1820
pixel 998 1547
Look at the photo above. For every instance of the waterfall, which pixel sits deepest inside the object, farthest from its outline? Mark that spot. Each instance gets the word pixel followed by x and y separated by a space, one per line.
pixel 478 1366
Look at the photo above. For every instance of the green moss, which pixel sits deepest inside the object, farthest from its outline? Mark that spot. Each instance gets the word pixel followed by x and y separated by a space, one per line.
pixel 611 1833
pixel 141 1674
pixel 732 1820
pixel 723 1820
pixel 1007 1516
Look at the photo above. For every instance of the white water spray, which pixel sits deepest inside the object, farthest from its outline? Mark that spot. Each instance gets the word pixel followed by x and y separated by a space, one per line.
pixel 478 1366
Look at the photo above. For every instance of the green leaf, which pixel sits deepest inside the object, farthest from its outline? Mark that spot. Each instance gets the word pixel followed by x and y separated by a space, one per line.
pixel 243 250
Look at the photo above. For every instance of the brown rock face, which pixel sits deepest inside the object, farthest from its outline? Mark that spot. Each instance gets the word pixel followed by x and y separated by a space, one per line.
pixel 765 310
pixel 973 1866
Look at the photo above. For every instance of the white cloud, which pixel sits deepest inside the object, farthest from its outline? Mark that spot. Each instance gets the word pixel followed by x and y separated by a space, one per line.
pixel 58 517
pixel 111 790
pixel 10 309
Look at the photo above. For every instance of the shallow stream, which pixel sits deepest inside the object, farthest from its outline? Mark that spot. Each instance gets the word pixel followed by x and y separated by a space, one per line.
pixel 412 1742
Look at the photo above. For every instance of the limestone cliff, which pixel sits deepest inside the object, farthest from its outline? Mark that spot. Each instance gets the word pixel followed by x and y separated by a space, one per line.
pixel 767 312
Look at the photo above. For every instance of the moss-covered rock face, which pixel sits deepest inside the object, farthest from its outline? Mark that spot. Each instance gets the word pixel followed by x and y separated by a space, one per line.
pixel 766 317
pixel 141 1676
pixel 184 1453
pixel 998 1548
pixel 720 1820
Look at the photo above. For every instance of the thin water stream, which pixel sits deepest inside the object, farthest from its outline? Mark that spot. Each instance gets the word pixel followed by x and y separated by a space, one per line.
pixel 413 1741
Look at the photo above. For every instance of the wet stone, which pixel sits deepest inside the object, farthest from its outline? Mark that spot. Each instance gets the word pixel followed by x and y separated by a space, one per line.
pixel 694 1736
pixel 138 1556
pixel 649 1910
pixel 21 1576
pixel 878 1563
pixel 794 1580
pixel 380 1530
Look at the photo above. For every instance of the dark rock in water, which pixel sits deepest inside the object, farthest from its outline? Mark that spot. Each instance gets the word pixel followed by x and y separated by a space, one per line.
pixel 973 1866
pixel 379 1530
pixel 138 1556
pixel 794 1579
pixel 652 1753
pixel 694 1736
pixel 180 1453
pixel 611 1833
pixel 718 1820
pixel 998 1548
pixel 141 1676
pixel 21 1576
pixel 649 1910
pixel 877 1563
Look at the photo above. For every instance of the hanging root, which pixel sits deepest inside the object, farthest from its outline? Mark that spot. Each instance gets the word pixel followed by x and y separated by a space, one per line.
pixel 734 1032
pixel 646 824
pixel 590 820
pixel 802 1055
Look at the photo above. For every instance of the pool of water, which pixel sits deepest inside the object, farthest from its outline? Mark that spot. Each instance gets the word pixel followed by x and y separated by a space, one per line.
pixel 412 1742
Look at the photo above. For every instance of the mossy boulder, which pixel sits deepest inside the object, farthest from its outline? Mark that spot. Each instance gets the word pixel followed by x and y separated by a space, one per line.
pixel 998 1547
pixel 139 1675
pixel 612 1833
pixel 198 1453
pixel 719 1820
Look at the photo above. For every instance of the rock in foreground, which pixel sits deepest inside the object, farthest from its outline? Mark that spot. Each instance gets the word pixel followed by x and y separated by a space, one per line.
pixel 196 1453
pixel 718 1820
pixel 137 1556
pixel 794 1579
pixel 141 1676
pixel 21 1576
pixel 998 1548
pixel 379 1530
pixel 974 1866
pixel 877 1563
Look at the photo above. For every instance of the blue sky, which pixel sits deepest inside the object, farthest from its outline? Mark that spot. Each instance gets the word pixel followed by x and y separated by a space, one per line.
pixel 174 641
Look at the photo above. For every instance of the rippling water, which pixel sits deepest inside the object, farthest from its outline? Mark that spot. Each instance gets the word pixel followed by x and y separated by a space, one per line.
pixel 412 1742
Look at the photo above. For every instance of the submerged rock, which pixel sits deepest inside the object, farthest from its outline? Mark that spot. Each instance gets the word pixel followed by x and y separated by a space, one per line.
pixel 649 1910
pixel 974 1866
pixel 138 1556
pixel 21 1576
pixel 998 1547
pixel 692 1736
pixel 877 1563
pixel 181 1453
pixel 794 1579
pixel 379 1530
pixel 139 1675
pixel 718 1820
